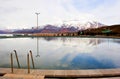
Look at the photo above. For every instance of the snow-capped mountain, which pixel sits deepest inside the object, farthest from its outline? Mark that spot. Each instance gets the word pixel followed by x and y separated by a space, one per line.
pixel 71 26
pixel 81 25
pixel 66 26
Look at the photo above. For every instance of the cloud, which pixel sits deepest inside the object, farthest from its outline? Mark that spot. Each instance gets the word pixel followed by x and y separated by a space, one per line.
pixel 8 10
pixel 108 13
pixel 21 13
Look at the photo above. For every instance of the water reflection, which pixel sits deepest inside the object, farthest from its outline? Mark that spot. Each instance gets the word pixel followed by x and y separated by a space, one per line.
pixel 86 61
pixel 75 41
pixel 64 53
pixel 93 41
pixel 37 48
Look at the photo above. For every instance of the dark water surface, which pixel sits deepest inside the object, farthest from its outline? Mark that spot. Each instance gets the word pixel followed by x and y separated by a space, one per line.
pixel 63 52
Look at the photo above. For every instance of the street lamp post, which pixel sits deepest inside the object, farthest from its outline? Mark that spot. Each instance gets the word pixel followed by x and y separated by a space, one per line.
pixel 37 19
pixel 37 38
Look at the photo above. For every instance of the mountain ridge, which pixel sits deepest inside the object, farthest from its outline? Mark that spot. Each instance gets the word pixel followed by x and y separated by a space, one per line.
pixel 66 26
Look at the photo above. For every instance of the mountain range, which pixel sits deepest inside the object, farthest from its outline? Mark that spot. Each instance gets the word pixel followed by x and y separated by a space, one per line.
pixel 66 26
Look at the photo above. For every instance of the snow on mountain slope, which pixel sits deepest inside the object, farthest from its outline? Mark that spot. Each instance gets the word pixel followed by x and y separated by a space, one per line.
pixel 63 26
pixel 70 26
pixel 81 25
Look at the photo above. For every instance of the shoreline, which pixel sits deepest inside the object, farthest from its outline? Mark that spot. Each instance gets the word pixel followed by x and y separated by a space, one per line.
pixel 82 36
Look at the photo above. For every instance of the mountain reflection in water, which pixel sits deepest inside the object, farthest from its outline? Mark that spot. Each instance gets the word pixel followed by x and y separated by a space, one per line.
pixel 64 52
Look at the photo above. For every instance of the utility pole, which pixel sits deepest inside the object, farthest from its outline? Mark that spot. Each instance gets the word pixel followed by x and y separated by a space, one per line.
pixel 37 37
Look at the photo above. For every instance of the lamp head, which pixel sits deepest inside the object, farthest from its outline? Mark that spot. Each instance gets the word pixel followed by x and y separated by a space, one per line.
pixel 37 13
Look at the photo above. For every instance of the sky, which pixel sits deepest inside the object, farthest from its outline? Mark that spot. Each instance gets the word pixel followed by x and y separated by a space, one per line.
pixel 16 14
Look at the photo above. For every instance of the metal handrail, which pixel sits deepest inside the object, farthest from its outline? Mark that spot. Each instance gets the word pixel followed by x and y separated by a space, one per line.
pixel 28 61
pixel 32 59
pixel 12 64
pixel 11 56
pixel 17 58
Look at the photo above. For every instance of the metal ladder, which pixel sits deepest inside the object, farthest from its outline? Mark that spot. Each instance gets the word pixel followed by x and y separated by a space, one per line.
pixel 28 61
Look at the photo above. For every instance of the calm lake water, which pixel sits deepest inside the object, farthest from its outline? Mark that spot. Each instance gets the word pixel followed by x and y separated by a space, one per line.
pixel 63 52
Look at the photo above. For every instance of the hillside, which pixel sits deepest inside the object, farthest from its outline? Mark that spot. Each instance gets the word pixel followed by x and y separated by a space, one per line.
pixel 3 32
pixel 105 30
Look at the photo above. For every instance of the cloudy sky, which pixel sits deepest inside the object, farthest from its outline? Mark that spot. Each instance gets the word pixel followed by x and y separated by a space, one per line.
pixel 21 13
